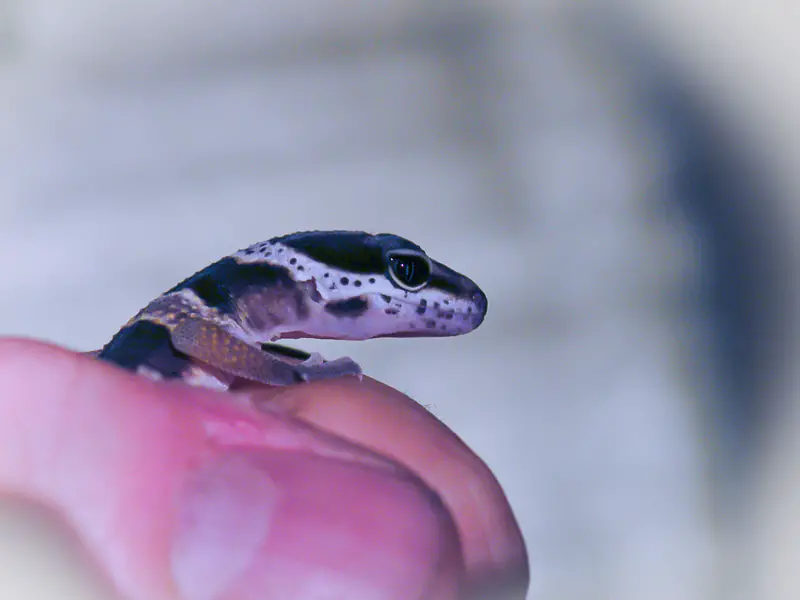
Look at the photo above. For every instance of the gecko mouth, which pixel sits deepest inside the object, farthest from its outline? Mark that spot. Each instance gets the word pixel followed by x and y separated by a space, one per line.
pixel 419 333
pixel 446 325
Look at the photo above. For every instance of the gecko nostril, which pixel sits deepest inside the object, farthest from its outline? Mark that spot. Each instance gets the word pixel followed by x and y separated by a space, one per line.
pixel 479 298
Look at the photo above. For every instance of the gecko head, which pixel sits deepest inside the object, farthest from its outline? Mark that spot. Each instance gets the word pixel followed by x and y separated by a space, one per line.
pixel 368 286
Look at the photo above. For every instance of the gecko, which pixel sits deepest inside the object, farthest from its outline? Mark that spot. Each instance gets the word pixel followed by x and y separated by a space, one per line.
pixel 219 327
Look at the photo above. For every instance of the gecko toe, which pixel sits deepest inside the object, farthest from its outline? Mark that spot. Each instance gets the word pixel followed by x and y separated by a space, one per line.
pixel 328 370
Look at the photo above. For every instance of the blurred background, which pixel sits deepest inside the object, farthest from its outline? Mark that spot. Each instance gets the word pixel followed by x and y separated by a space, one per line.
pixel 617 176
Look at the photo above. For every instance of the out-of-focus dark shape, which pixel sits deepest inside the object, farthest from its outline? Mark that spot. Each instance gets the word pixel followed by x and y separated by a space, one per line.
pixel 723 186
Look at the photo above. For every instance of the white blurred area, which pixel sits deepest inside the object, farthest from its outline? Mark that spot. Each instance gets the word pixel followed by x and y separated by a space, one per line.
pixel 140 141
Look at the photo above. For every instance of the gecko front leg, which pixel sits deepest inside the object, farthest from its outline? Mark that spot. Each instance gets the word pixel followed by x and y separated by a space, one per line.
pixel 209 343
pixel 312 365
pixel 175 345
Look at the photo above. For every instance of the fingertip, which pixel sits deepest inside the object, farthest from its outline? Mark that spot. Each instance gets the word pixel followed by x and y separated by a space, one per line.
pixel 390 423
pixel 346 530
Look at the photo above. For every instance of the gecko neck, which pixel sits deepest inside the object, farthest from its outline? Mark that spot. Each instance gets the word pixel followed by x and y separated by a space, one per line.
pixel 265 313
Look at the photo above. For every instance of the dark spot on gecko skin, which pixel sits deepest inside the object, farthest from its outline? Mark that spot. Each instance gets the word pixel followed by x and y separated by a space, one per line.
pixel 221 282
pixel 327 275
pixel 435 305
pixel 449 316
pixel 352 307
pixel 386 298
pixel 145 344
pixel 423 305
pixel 357 283
pixel 292 261
pixel 301 268
pixel 249 251
pixel 392 311
pixel 372 280
pixel 344 281
pixel 430 324
pixel 446 302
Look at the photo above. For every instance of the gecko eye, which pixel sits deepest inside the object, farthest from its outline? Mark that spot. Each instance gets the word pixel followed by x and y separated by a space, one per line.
pixel 409 271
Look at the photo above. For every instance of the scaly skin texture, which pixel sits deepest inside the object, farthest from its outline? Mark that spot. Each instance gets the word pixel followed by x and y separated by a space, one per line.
pixel 342 485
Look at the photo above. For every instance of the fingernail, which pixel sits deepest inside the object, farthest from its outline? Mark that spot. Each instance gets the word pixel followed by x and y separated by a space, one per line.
pixel 224 517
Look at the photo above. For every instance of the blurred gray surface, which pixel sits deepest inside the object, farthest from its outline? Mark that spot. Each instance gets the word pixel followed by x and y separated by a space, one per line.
pixel 147 141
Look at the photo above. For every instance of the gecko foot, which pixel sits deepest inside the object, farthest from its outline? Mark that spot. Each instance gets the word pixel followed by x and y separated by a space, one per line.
pixel 328 370
pixel 314 359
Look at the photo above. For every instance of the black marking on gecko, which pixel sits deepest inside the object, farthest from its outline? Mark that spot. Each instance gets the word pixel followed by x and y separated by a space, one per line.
pixel 285 351
pixel 353 251
pixel 146 344
pixel 219 284
pixel 353 307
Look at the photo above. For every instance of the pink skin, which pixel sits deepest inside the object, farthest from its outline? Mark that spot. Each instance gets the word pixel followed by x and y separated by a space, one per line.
pixel 178 492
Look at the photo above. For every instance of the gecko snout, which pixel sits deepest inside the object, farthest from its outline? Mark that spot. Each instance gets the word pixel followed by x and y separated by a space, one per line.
pixel 480 301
